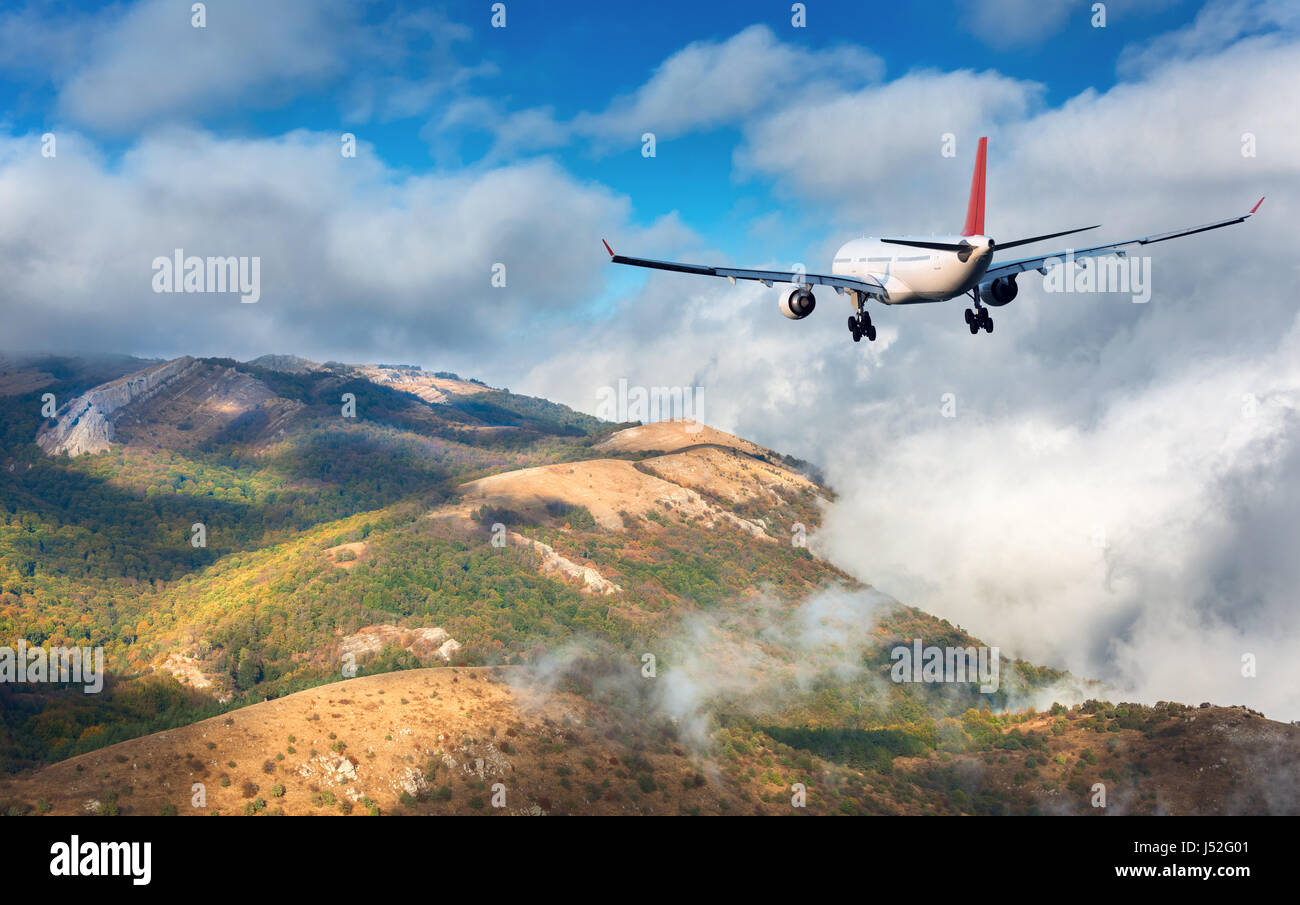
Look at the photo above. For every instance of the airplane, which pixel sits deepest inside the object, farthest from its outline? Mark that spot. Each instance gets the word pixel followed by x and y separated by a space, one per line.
pixel 941 267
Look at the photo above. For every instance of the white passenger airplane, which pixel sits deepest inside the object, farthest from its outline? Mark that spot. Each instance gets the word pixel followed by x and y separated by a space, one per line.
pixel 951 266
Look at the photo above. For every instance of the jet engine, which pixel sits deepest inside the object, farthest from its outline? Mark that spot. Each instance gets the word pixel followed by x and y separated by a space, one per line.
pixel 797 302
pixel 999 291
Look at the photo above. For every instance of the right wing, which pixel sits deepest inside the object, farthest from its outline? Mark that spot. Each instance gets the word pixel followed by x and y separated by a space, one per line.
pixel 869 287
pixel 1039 263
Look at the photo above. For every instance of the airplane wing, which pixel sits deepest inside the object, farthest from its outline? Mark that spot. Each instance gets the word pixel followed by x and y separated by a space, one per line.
pixel 1114 248
pixel 870 287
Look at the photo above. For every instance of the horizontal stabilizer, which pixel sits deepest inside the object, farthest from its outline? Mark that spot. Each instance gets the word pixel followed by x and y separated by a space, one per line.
pixel 1067 232
pixel 938 246
pixel 963 246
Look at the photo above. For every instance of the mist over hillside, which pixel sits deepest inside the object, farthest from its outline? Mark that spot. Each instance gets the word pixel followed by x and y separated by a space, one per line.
pixel 653 597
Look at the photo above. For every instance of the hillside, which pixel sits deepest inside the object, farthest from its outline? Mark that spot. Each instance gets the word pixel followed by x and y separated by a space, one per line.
pixel 373 521
pixel 447 741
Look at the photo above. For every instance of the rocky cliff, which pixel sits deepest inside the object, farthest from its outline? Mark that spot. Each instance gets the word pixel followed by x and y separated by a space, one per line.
pixel 84 425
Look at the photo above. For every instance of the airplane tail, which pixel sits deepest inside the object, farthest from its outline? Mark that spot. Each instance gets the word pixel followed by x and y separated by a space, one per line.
pixel 975 216
pixel 975 208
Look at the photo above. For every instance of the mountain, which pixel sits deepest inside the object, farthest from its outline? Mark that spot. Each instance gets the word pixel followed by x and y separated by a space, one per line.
pixel 430 570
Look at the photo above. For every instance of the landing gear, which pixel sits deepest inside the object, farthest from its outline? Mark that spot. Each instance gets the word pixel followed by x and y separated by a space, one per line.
pixel 979 318
pixel 860 325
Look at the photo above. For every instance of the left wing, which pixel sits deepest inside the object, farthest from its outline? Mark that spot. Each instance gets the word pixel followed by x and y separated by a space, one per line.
pixel 870 287
pixel 1114 248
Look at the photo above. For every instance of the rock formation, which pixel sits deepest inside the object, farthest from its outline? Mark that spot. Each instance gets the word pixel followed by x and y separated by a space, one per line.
pixel 84 425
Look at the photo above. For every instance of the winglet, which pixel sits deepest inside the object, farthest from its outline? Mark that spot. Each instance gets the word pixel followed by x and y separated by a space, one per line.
pixel 1257 204
pixel 611 251
pixel 975 207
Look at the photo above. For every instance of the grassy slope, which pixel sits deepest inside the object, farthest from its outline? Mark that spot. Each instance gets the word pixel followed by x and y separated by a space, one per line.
pixel 442 741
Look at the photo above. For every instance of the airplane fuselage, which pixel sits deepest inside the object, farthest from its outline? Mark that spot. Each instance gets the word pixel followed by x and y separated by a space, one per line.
pixel 916 275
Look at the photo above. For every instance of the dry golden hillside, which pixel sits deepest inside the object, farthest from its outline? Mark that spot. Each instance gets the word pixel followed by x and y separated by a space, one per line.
pixel 446 740
pixel 423 385
pixel 729 475
pixel 608 488
pixel 699 479
pixel 428 740
pixel 669 436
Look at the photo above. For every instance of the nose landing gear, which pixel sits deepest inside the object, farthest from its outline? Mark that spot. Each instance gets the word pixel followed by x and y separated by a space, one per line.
pixel 977 319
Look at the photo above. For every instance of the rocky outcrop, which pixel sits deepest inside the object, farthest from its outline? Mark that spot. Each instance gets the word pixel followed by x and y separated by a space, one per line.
pixel 592 581
pixel 187 670
pixel 85 424
pixel 423 642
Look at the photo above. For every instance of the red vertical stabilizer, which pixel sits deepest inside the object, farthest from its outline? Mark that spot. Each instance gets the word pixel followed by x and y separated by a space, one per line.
pixel 975 209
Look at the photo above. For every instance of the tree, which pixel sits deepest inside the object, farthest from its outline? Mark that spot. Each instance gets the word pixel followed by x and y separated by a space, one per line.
pixel 248 672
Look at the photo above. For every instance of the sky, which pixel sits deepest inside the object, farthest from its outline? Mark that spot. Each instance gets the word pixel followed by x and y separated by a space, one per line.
pixel 1115 491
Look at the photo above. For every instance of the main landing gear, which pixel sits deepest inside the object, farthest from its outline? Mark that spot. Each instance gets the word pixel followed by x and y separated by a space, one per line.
pixel 860 325
pixel 977 318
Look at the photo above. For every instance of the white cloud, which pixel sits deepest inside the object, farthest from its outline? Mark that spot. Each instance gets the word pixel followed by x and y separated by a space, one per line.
pixel 357 260
pixel 707 83
pixel 1015 24
pixel 858 150
pixel 1218 25
pixel 512 133
pixel 1012 23
pixel 31 40
pixel 1098 544
pixel 152 63
pixel 127 68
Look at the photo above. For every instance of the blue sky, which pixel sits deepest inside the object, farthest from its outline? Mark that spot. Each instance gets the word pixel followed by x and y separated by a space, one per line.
pixel 556 56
